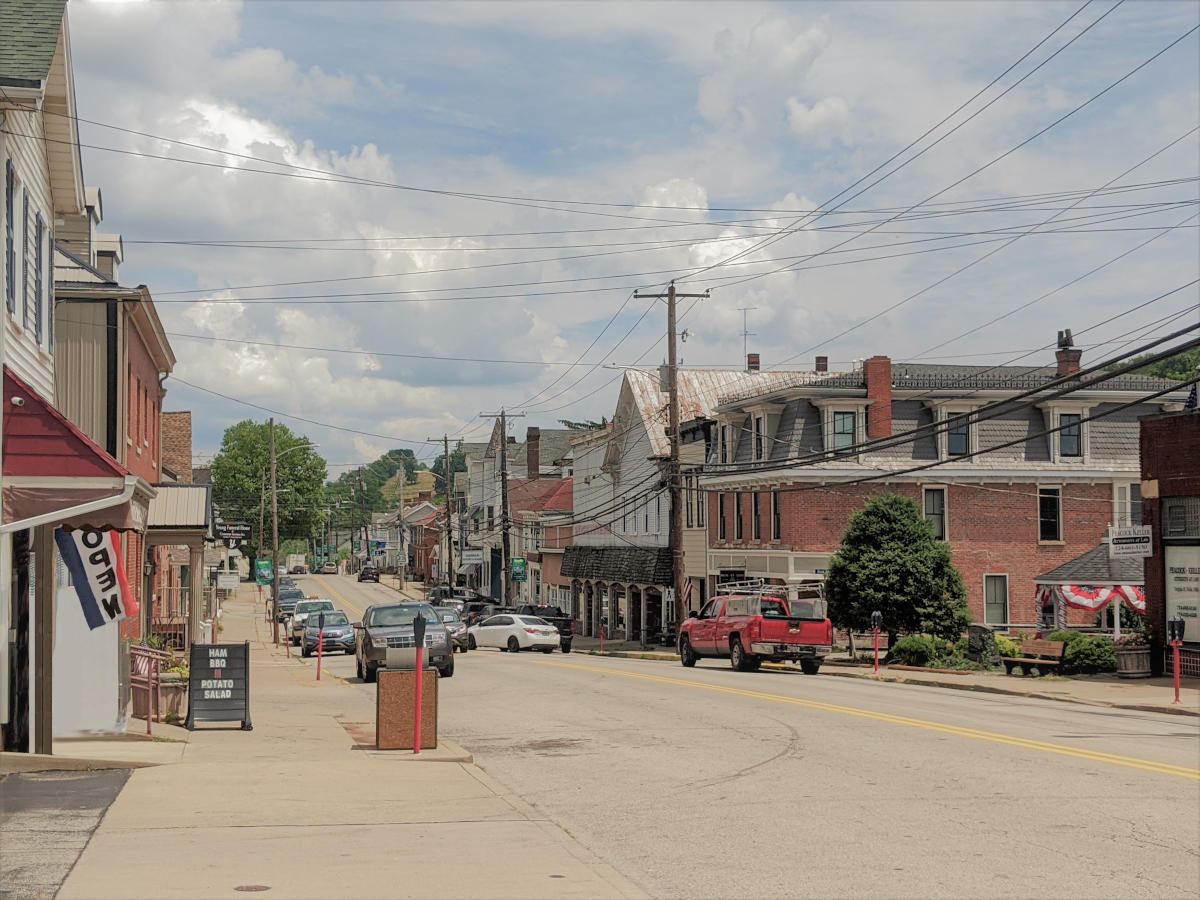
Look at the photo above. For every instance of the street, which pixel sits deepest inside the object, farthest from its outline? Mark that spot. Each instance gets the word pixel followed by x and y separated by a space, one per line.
pixel 707 782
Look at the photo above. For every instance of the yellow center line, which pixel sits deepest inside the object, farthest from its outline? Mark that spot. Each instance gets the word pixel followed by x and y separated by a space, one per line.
pixel 336 596
pixel 957 730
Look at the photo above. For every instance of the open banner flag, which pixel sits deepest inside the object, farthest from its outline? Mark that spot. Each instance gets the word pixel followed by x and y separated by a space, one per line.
pixel 98 574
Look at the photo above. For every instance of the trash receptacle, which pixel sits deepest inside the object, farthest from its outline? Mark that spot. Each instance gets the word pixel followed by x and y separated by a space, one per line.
pixel 395 708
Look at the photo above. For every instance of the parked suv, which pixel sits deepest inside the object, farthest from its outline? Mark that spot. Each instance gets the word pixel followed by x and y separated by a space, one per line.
pixel 390 627
pixel 556 617
pixel 301 613
pixel 369 573
pixel 749 628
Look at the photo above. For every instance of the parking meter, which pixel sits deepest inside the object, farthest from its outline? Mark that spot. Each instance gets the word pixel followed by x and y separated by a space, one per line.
pixel 419 631
pixel 877 620
pixel 1175 628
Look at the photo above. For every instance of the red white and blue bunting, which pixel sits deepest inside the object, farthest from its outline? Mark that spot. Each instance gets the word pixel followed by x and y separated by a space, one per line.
pixel 1093 597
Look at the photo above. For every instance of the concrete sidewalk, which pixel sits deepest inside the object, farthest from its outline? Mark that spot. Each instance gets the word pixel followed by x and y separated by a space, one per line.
pixel 299 807
pixel 1144 694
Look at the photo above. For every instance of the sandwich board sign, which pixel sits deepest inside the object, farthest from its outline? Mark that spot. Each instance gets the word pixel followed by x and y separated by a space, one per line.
pixel 219 685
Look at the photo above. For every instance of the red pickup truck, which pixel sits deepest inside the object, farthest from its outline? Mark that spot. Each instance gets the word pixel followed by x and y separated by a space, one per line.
pixel 753 627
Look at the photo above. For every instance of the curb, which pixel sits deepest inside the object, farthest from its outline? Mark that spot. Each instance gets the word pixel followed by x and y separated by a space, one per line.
pixel 854 670
pixel 14 763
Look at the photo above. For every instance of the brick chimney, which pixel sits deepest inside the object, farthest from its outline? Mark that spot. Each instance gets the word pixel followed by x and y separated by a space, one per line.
pixel 822 364
pixel 877 372
pixel 753 360
pixel 533 451
pixel 1068 357
pixel 177 444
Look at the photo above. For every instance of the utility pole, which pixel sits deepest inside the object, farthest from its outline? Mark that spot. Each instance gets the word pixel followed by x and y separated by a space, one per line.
pixel 449 555
pixel 505 546
pixel 362 508
pixel 274 540
pixel 674 479
pixel 259 536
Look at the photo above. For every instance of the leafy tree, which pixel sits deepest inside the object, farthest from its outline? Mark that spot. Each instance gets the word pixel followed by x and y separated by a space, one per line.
pixel 458 463
pixel 890 561
pixel 363 486
pixel 243 466
pixel 1180 367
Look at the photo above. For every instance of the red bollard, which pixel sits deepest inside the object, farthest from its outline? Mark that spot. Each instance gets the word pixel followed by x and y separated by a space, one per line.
pixel 320 647
pixel 417 704
pixel 1175 645
pixel 876 632
pixel 601 640
pixel 288 644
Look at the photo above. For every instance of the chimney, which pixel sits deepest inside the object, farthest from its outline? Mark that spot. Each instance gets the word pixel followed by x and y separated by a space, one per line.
pixel 752 362
pixel 110 253
pixel 877 372
pixel 822 364
pixel 1067 356
pixel 533 451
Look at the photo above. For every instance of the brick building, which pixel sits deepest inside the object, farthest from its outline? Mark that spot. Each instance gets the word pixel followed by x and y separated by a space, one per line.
pixel 1171 507
pixel 1016 490
pixel 177 447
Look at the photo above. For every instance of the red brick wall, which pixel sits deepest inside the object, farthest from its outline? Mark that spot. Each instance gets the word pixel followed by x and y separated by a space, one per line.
pixel 177 444
pixel 1170 458
pixel 993 530
pixel 143 412
pixel 132 544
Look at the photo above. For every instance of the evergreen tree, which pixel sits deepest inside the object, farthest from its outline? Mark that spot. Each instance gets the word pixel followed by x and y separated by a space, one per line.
pixel 890 561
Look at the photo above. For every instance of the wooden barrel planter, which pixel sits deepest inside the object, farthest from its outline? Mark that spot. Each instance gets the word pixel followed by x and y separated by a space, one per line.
pixel 1133 662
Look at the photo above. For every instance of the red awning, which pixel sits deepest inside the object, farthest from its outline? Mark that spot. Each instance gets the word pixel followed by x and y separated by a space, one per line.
pixel 50 465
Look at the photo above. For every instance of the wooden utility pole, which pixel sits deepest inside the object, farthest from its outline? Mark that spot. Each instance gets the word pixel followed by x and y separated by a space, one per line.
pixel 451 575
pixel 274 540
pixel 259 537
pixel 674 479
pixel 505 546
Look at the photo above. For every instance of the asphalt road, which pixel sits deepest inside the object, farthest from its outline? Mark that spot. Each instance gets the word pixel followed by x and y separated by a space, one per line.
pixel 712 783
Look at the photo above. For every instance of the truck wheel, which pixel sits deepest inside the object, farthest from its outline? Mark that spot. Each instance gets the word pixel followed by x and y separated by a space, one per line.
pixel 810 666
pixel 687 656
pixel 566 647
pixel 738 658
pixel 447 671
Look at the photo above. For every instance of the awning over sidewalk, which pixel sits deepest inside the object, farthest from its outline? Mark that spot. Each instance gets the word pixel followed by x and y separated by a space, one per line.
pixel 626 565
pixel 50 467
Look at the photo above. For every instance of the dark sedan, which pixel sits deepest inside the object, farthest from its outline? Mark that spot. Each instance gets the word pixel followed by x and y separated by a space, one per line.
pixel 390 627
pixel 369 573
pixel 331 629
pixel 288 598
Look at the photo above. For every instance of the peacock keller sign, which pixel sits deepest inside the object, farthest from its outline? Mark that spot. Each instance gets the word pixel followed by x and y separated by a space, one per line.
pixel 219 684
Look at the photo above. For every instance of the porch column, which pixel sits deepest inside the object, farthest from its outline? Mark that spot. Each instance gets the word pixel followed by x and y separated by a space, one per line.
pixel 196 577
pixel 642 620
pixel 43 640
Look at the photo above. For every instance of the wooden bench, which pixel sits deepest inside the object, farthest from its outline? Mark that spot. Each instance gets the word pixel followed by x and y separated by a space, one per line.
pixel 145 674
pixel 1040 654
pixel 865 640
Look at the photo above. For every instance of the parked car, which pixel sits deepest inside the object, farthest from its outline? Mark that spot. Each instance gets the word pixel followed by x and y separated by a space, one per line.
pixel 455 626
pixel 288 598
pixel 369 573
pixel 390 626
pixel 440 592
pixel 329 569
pixel 332 630
pixel 475 611
pixel 556 617
pixel 513 632
pixel 752 627
pixel 302 611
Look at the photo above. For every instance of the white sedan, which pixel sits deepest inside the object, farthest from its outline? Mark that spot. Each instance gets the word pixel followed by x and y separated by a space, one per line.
pixel 511 632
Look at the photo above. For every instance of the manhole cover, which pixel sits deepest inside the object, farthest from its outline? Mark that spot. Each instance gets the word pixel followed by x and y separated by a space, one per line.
pixel 253 887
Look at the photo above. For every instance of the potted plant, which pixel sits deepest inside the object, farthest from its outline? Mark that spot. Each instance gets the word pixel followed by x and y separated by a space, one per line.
pixel 1133 655
pixel 174 690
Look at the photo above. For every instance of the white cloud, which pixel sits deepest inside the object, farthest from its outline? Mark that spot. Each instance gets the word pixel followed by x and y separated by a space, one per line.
pixel 822 123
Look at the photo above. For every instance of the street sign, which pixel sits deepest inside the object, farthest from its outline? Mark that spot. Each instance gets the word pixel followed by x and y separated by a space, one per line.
pixel 1131 541
pixel 263 573
pixel 232 531
pixel 228 582
pixel 219 684
pixel 472 557
pixel 519 569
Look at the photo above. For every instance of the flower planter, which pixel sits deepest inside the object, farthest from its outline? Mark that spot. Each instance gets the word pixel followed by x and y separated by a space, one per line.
pixel 173 693
pixel 1133 662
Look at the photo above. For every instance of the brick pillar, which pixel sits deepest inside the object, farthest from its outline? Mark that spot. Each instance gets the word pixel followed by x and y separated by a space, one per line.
pixel 533 451
pixel 877 372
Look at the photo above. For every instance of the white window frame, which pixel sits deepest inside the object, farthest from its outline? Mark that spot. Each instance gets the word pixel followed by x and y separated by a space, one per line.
pixel 842 405
pixel 1122 515
pixel 945 491
pixel 722 522
pixel 943 411
pixel 760 437
pixel 756 515
pixel 1007 597
pixel 776 522
pixel 1053 412
pixel 701 504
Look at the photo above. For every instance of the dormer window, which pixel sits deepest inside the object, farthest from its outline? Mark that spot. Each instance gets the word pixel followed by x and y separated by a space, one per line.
pixel 958 437
pixel 956 430
pixel 1070 435
pixel 845 427
pixel 843 424
pixel 760 437
pixel 723 448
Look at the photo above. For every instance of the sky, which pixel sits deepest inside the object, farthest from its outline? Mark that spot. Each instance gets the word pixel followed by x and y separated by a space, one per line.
pixel 439 208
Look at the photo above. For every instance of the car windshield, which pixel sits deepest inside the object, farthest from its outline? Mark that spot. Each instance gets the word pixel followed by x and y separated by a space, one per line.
pixel 534 620
pixel 390 616
pixel 308 606
pixel 331 619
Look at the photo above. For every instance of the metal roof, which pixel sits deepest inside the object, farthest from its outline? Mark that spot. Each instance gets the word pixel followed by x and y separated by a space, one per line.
pixel 180 507
pixel 914 376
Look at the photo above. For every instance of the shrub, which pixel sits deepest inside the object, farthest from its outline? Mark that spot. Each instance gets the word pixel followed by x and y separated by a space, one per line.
pixel 1007 647
pixel 1090 654
pixel 920 650
pixel 1067 637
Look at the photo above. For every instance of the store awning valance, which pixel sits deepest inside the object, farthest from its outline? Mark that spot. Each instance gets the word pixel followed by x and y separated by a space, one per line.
pixel 55 474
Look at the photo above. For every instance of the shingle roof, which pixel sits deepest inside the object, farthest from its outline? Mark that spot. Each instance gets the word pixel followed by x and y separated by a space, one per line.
pixel 630 565
pixel 919 376
pixel 1096 568
pixel 28 38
